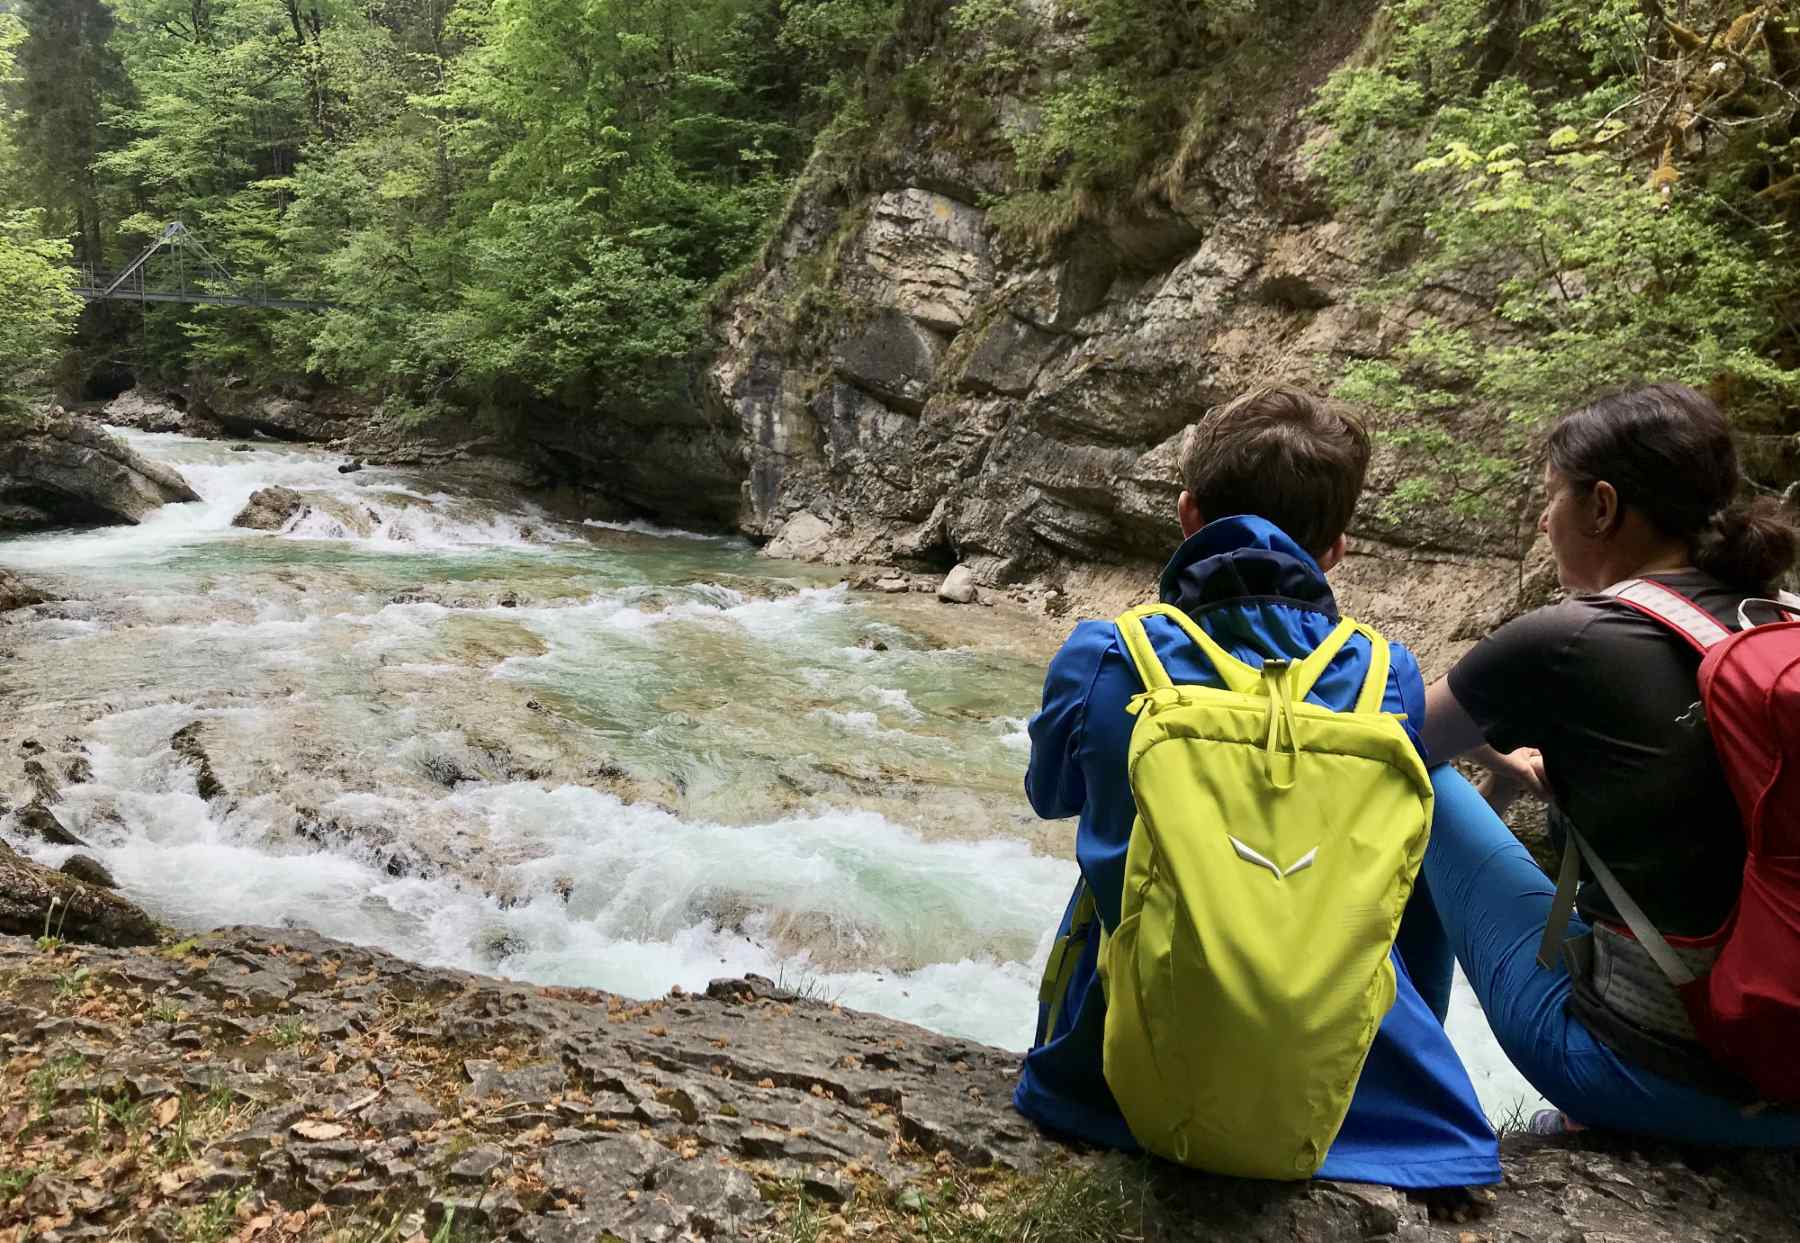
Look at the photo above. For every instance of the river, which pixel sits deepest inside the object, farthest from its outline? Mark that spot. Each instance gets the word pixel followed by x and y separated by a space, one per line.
pixel 444 722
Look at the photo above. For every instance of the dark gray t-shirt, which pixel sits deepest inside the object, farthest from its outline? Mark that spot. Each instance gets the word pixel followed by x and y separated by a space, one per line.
pixel 1601 690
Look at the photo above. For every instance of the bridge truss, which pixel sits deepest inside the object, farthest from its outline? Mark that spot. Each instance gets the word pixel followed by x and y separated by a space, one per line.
pixel 189 274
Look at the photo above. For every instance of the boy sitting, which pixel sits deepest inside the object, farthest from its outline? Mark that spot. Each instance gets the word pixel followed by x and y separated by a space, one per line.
pixel 1271 481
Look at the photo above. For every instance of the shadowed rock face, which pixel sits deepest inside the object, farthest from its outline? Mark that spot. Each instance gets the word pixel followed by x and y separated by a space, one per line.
pixel 63 470
pixel 361 1086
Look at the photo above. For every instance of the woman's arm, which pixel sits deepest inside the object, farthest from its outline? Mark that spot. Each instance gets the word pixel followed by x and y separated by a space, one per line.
pixel 1451 733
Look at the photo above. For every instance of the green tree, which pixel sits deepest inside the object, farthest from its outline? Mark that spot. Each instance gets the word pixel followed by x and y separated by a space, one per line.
pixel 40 308
pixel 68 72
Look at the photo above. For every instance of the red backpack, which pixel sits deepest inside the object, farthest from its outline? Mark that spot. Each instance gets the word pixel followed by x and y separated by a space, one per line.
pixel 1746 1009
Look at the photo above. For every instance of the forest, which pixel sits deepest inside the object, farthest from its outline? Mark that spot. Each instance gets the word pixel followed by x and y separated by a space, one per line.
pixel 497 198
pixel 508 202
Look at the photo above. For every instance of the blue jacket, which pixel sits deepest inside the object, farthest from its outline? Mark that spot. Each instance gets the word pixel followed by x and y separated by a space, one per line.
pixel 1414 1120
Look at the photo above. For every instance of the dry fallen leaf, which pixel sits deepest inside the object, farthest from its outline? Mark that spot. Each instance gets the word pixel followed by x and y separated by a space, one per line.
pixel 293 1223
pixel 168 1110
pixel 313 1129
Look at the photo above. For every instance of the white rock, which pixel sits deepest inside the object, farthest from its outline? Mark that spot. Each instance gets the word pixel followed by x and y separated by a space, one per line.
pixel 958 586
pixel 800 537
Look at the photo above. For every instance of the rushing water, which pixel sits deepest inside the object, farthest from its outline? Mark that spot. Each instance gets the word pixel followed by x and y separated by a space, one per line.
pixel 583 753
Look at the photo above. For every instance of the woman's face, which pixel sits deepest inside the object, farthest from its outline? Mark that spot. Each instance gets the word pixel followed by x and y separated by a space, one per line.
pixel 1571 524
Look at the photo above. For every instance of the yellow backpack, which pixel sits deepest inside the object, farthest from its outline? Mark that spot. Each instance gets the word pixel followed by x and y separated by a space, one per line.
pixel 1275 846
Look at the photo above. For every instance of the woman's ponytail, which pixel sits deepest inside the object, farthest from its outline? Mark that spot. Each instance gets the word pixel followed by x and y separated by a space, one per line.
pixel 1749 544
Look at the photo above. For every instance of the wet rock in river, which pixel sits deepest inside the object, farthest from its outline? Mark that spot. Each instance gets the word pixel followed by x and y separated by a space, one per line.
pixel 43 784
pixel 89 871
pixel 68 471
pixel 33 897
pixel 270 509
pixel 185 742
pixel 15 593
pixel 37 820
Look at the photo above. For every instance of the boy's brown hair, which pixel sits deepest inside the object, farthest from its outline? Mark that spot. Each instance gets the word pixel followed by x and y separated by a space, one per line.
pixel 1282 454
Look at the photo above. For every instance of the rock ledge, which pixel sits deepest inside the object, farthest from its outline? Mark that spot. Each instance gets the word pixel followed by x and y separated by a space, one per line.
pixel 296 1088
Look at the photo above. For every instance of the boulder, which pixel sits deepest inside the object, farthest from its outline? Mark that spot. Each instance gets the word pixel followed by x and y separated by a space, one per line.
pixel 33 897
pixel 59 469
pixel 89 871
pixel 38 821
pixel 144 411
pixel 16 594
pixel 804 536
pixel 958 586
pixel 270 509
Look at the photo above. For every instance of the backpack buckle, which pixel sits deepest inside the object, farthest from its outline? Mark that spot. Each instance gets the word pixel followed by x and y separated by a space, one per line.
pixel 1695 715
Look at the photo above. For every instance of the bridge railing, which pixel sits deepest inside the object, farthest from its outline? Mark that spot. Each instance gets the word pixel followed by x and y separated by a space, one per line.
pixel 93 282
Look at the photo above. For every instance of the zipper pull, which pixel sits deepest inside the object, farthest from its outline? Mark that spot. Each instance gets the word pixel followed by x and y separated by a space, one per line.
pixel 1152 701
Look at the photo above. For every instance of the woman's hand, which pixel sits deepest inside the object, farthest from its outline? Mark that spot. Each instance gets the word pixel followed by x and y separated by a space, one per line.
pixel 1510 774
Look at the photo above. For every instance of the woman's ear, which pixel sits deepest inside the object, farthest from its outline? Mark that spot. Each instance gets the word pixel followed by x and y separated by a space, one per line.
pixel 1604 501
pixel 1340 547
pixel 1187 512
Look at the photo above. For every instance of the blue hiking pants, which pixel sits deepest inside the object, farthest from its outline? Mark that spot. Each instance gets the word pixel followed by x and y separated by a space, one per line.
pixel 1493 900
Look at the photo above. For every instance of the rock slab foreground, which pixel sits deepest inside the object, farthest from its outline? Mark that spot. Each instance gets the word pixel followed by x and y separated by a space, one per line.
pixel 273 1085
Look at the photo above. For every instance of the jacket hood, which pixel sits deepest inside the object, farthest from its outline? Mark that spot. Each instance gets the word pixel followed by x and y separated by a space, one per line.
pixel 1233 559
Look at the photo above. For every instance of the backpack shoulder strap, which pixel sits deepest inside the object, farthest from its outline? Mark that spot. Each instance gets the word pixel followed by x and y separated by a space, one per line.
pixel 1240 677
pixel 1785 604
pixel 1236 675
pixel 1563 905
pixel 1672 609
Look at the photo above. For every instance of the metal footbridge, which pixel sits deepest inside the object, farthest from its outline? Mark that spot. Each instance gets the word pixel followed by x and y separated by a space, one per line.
pixel 186 273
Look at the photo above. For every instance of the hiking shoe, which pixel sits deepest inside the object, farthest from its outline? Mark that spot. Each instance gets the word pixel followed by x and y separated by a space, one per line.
pixel 1552 1122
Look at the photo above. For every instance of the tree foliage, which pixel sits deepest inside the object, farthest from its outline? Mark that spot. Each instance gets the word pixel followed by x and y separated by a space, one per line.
pixel 1604 193
pixel 40 309
pixel 503 202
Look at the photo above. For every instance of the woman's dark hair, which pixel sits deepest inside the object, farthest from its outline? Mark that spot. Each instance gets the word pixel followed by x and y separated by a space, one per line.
pixel 1667 451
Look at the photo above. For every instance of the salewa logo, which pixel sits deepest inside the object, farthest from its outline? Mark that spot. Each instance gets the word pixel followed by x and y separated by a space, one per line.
pixel 1250 856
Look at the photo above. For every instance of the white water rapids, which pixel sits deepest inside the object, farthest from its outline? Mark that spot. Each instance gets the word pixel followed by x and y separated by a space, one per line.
pixel 579 753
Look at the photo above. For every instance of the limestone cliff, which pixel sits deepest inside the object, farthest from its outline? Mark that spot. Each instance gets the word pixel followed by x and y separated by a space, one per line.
pixel 907 386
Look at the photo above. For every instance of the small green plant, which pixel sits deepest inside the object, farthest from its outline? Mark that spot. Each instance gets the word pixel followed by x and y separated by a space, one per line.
pixel 72 983
pixel 219 1100
pixel 50 941
pixel 212 1221
pixel 806 1223
pixel 46 1079
pixel 288 1033
pixel 166 1012
pixel 131 1116
pixel 13 1181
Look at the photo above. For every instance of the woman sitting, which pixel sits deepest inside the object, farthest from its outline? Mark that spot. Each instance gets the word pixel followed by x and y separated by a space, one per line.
pixel 1589 704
